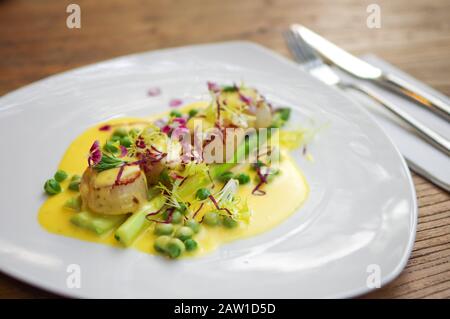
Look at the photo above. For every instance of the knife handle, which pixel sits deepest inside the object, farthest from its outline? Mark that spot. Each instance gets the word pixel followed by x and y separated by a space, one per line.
pixel 416 94
pixel 419 128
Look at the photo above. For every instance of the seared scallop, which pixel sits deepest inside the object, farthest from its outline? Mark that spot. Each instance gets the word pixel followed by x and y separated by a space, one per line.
pixel 105 193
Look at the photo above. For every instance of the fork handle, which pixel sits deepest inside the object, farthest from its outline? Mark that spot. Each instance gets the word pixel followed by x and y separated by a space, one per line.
pixel 423 131
pixel 415 93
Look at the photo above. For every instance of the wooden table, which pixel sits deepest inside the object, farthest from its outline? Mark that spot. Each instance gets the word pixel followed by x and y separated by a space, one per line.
pixel 414 35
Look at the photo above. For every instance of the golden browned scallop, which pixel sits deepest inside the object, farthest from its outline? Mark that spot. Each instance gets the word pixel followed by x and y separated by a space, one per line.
pixel 102 193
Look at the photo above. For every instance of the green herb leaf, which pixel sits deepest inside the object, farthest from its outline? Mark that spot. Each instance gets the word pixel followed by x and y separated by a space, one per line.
pixel 108 162
pixel 230 88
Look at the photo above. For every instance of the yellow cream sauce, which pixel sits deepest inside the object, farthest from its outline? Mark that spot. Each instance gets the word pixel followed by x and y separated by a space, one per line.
pixel 284 195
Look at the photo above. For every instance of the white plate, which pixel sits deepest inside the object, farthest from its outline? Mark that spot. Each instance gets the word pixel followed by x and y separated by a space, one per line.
pixel 361 210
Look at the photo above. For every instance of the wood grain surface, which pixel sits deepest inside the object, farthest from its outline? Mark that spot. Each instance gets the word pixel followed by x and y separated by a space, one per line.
pixel 414 36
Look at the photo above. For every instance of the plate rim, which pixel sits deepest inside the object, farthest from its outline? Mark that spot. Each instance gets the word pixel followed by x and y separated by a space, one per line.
pixel 385 279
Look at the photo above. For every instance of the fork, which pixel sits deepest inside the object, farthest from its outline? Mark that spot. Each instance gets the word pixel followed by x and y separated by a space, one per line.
pixel 313 64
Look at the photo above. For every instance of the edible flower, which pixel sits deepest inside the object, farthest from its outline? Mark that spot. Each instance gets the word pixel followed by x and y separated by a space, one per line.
pixel 177 124
pixel 166 129
pixel 95 154
pixel 140 143
pixel 123 151
pixel 213 87
pixel 247 100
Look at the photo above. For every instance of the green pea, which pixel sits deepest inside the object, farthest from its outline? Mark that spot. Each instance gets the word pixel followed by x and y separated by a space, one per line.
pixel 74 185
pixel 125 141
pixel 115 138
pixel 60 175
pixel 163 229
pixel 193 112
pixel 242 178
pixel 182 209
pixel 52 187
pixel 175 113
pixel 229 222
pixel 202 193
pixel 211 218
pixel 110 147
pixel 75 178
pixel 190 244
pixel 121 132
pixel 73 203
pixel 175 247
pixel 184 233
pixel 225 177
pixel 161 243
pixel 194 225
pixel 177 217
pixel 285 113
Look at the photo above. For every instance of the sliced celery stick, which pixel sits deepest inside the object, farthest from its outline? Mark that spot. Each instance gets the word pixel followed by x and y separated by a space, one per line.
pixel 99 224
pixel 133 226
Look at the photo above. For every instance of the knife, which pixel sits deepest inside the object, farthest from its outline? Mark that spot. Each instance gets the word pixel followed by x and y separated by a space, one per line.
pixel 361 69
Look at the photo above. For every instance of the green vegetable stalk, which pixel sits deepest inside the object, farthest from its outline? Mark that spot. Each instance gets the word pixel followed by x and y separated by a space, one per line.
pixel 99 224
pixel 136 223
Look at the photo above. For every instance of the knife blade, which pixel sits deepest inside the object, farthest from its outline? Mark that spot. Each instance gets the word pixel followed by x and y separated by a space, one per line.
pixel 363 70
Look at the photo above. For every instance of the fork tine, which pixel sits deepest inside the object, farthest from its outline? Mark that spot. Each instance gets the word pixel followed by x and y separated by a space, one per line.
pixel 301 51
pixel 290 40
pixel 295 51
pixel 304 48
